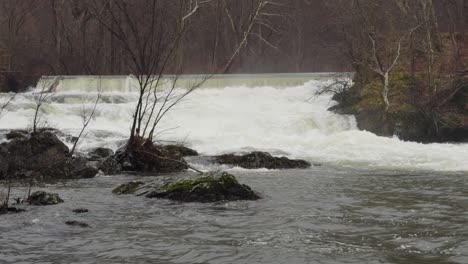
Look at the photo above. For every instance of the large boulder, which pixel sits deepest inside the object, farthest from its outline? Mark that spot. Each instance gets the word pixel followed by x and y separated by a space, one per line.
pixel 257 160
pixel 35 151
pixel 44 198
pixel 42 155
pixel 209 187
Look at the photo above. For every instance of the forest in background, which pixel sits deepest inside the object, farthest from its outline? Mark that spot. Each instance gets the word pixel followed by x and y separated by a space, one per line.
pixel 60 37
pixel 65 37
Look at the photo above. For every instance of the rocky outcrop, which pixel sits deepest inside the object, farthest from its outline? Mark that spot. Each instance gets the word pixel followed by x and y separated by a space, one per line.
pixel 35 151
pixel 256 160
pixel 42 155
pixel 44 198
pixel 209 187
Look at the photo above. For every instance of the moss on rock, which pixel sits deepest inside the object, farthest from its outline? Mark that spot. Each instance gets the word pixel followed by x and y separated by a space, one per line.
pixel 209 187
pixel 128 188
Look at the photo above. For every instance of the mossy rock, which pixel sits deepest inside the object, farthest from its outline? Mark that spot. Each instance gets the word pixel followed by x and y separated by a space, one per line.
pixel 128 188
pixel 209 187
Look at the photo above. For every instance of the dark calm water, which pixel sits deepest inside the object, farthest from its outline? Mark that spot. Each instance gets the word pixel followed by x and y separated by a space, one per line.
pixel 320 215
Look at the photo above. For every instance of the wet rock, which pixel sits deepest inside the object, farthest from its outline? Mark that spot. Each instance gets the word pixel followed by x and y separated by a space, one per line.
pixel 181 150
pixel 128 188
pixel 35 151
pixel 77 224
pixel 3 161
pixel 80 210
pixel 69 168
pixel 44 198
pixel 10 210
pixel 42 155
pixel 150 158
pixel 256 160
pixel 109 166
pixel 100 153
pixel 209 187
pixel 17 134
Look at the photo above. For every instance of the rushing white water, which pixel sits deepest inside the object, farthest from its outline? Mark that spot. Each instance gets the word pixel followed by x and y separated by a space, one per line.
pixel 284 121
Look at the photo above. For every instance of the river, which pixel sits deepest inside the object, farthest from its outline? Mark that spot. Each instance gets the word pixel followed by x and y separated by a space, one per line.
pixel 372 200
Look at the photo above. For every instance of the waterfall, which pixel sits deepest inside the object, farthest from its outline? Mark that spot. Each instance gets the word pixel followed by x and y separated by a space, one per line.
pixel 275 113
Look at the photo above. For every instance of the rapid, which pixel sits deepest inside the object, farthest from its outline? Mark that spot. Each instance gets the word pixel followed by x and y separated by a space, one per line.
pixel 372 200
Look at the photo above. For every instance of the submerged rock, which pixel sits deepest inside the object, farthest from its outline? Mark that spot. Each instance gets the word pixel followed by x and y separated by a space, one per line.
pixel 10 210
pixel 128 188
pixel 80 210
pixel 181 150
pixel 77 223
pixel 257 160
pixel 44 198
pixel 209 187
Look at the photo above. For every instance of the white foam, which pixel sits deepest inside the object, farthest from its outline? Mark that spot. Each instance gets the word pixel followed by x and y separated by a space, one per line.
pixel 283 121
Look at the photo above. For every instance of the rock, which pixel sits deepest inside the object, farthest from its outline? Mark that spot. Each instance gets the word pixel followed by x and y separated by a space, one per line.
pixel 80 210
pixel 10 210
pixel 256 160
pixel 77 223
pixel 109 166
pixel 3 161
pixel 43 155
pixel 128 188
pixel 150 158
pixel 17 134
pixel 44 198
pixel 100 153
pixel 209 187
pixel 35 151
pixel 181 150
pixel 69 168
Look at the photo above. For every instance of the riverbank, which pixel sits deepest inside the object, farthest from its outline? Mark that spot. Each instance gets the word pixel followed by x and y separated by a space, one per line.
pixel 441 116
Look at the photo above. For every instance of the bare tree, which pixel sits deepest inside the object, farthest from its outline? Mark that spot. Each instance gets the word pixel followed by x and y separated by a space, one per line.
pixel 6 101
pixel 42 97
pixel 379 67
pixel 87 115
